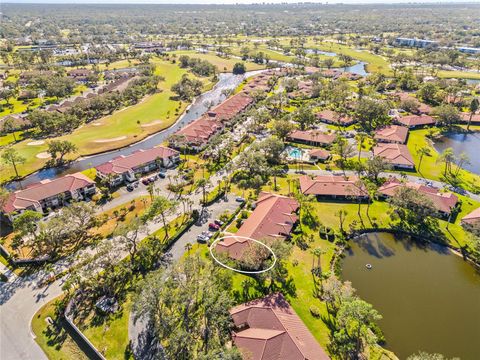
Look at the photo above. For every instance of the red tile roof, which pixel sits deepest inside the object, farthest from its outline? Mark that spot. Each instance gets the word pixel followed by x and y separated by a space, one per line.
pixel 466 117
pixel 35 193
pixel 416 120
pixel 319 153
pixel 472 217
pixel 334 117
pixel 332 185
pixel 392 133
pixel 423 108
pixel 122 164
pixel 314 136
pixel 273 218
pixel 443 202
pixel 395 154
pixel 269 328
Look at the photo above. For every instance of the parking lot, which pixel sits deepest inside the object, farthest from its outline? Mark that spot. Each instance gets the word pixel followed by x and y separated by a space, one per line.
pixel 210 213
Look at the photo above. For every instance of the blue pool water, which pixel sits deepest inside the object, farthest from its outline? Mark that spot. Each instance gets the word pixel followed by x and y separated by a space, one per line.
pixel 295 153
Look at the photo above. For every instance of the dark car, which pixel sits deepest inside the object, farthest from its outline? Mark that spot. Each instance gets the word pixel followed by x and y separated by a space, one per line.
pixel 130 187
pixel 145 181
pixel 239 199
pixel 162 175
pixel 213 226
pixel 218 222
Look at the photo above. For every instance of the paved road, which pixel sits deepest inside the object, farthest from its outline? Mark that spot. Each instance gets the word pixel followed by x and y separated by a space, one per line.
pixel 21 298
pixel 417 179
pixel 139 334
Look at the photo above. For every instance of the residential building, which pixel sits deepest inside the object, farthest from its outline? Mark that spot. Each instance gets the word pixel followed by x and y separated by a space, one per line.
pixel 333 186
pixel 272 219
pixel 413 42
pixel 443 202
pixel 422 108
pixel 469 50
pixel 127 168
pixel 415 121
pixel 396 155
pixel 475 118
pixel 268 328
pixel 392 134
pixel 472 218
pixel 316 155
pixel 49 194
pixel 332 117
pixel 311 137
pixel 80 75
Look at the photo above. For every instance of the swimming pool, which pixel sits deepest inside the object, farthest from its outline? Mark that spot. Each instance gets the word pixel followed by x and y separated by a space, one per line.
pixel 295 153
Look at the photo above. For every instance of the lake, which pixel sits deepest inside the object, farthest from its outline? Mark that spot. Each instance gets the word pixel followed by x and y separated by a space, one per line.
pixel 468 143
pixel 429 298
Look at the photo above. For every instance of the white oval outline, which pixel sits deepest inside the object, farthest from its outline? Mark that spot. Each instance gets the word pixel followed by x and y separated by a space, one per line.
pixel 212 245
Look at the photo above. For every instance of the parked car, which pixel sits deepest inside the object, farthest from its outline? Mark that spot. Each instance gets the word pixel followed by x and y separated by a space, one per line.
pixel 130 187
pixel 239 199
pixel 162 174
pixel 135 184
pixel 207 234
pixel 152 178
pixel 146 181
pixel 202 238
pixel 213 226
pixel 218 222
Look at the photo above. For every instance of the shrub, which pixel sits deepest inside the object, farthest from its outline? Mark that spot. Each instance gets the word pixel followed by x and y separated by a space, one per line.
pixel 315 311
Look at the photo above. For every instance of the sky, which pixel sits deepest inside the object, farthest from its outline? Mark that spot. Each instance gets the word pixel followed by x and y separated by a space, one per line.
pixel 229 1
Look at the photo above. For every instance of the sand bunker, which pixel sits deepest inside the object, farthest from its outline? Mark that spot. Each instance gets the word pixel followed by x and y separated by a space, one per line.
pixel 110 140
pixel 97 124
pixel 43 155
pixel 36 143
pixel 153 123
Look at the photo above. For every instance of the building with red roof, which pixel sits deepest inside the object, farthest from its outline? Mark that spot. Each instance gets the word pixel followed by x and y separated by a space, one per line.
pixel 49 194
pixel 473 118
pixel 311 137
pixel 443 202
pixel 472 218
pixel 332 117
pixel 273 218
pixel 125 168
pixel 392 134
pixel 396 155
pixel 333 186
pixel 318 155
pixel 415 121
pixel 268 328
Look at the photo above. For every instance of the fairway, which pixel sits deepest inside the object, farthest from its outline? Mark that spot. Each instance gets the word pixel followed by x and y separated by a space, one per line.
pixel 124 127
pixel 223 64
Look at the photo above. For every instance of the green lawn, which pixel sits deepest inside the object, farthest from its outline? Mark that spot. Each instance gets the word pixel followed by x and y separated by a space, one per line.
pixel 430 167
pixel 110 335
pixel 55 342
pixel 10 138
pixel 124 127
pixel 223 64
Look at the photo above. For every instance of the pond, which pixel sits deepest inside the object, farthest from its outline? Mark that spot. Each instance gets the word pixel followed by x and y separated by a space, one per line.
pixel 468 143
pixel 428 297
pixel 198 108
pixel 358 68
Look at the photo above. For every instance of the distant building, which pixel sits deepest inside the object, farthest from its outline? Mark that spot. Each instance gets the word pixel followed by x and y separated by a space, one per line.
pixel 126 168
pixel 472 218
pixel 413 42
pixel 268 328
pixel 469 50
pixel 332 117
pixel 318 155
pixel 49 194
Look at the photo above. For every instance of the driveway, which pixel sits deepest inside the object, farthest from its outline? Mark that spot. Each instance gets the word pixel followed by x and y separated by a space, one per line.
pixel 143 343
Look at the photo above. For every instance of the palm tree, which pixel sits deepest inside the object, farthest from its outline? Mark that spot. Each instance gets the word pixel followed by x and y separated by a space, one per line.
pixel 473 107
pixel 421 152
pixel 447 156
